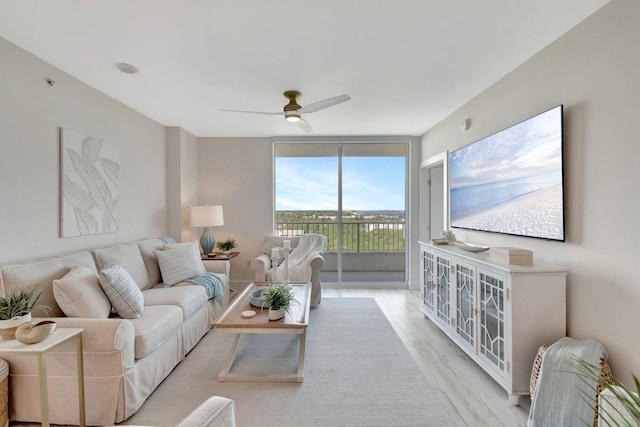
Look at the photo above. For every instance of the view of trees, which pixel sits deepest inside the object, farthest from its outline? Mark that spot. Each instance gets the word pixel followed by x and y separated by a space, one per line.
pixel 362 230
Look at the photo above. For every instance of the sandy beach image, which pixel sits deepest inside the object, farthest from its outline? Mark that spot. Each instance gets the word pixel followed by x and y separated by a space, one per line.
pixel 538 214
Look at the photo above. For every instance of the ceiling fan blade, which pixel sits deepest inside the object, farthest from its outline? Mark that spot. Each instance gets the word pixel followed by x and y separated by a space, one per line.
pixel 279 113
pixel 304 125
pixel 325 103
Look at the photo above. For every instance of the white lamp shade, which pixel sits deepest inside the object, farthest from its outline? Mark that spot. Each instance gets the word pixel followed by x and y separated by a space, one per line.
pixel 206 216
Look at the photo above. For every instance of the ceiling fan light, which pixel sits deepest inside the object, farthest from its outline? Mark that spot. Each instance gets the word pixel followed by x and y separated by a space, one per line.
pixel 292 117
pixel 127 68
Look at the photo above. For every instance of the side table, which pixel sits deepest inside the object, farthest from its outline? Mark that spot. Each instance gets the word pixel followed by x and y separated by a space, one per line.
pixel 219 256
pixel 59 337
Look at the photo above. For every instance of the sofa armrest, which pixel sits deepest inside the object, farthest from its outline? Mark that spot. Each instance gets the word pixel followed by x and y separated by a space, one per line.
pixel 216 411
pixel 222 267
pixel 100 337
pixel 260 265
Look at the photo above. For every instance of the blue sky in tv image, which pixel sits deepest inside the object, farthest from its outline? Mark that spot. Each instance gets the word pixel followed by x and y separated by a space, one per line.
pixel 511 182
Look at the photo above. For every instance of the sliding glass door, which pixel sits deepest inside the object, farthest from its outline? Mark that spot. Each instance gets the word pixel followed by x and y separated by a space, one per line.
pixel 354 193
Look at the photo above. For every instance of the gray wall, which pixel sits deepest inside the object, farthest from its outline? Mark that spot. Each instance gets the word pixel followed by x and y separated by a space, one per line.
pixel 593 71
pixel 237 174
pixel 182 183
pixel 31 113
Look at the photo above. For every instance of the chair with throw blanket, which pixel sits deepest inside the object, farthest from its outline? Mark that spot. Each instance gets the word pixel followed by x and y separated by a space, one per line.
pixel 561 393
pixel 305 261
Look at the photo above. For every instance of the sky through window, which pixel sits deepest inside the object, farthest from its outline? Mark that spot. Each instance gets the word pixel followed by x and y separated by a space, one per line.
pixel 311 183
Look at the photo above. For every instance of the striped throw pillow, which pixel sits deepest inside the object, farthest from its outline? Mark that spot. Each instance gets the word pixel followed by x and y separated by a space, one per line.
pixel 180 262
pixel 123 293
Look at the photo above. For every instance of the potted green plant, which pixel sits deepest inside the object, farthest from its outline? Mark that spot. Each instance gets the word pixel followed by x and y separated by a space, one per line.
pixel 279 299
pixel 15 309
pixel 226 245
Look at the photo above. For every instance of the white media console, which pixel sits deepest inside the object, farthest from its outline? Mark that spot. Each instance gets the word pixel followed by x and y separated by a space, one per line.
pixel 499 314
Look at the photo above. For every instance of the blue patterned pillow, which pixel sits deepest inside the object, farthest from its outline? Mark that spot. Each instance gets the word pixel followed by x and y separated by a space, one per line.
pixel 123 293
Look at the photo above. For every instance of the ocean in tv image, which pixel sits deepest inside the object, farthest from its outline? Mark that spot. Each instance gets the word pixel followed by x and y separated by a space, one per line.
pixel 511 182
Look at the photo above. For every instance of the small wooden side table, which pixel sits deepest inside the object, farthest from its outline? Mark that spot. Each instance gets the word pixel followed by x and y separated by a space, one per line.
pixel 59 337
pixel 219 256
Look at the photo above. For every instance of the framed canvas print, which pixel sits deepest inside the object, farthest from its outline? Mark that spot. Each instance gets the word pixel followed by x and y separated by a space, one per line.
pixel 89 185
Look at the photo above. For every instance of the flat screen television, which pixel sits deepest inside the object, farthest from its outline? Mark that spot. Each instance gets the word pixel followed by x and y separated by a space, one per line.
pixel 511 182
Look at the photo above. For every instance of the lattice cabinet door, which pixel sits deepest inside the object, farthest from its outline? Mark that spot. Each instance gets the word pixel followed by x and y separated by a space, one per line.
pixel 443 287
pixel 465 306
pixel 493 295
pixel 429 281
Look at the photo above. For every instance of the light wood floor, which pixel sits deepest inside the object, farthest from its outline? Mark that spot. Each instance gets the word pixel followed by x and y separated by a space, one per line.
pixel 472 397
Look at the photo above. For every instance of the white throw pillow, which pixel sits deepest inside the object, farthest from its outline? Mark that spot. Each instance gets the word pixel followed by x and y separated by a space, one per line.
pixel 78 293
pixel 125 296
pixel 179 262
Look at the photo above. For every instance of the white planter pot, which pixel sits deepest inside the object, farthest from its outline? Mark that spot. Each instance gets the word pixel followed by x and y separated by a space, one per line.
pixel 276 314
pixel 8 327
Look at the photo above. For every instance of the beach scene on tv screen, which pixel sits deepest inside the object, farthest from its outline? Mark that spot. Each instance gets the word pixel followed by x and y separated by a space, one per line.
pixel 511 182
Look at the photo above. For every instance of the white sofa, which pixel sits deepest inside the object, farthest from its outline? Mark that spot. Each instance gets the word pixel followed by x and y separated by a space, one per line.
pixel 125 359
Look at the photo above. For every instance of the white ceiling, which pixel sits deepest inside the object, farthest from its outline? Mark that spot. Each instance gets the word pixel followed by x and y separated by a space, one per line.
pixel 406 64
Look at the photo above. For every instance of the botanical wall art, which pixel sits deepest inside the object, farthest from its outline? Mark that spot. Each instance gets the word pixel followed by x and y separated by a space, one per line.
pixel 90 185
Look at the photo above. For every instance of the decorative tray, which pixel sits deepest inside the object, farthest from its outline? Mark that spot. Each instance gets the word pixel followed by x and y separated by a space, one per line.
pixel 440 241
pixel 470 247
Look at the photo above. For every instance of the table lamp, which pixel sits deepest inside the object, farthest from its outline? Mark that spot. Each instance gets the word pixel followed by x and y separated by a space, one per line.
pixel 207 216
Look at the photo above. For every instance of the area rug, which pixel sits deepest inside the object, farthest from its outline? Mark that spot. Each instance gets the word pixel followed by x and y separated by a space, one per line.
pixel 357 373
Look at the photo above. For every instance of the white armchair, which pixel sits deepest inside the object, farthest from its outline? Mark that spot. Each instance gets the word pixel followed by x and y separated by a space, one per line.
pixel 313 246
pixel 216 411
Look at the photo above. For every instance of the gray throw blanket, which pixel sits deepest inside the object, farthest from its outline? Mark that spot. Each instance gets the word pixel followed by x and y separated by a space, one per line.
pixel 212 283
pixel 561 393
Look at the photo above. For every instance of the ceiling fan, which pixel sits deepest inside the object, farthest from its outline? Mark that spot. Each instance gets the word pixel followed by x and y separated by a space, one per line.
pixel 292 111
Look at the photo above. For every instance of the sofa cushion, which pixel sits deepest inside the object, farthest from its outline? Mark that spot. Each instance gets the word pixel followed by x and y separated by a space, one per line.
pixel 122 291
pixel 129 257
pixel 40 274
pixel 79 294
pixel 189 298
pixel 147 250
pixel 179 262
pixel 154 327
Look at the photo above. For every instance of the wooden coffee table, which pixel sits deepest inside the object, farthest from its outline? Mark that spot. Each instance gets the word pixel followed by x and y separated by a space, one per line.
pixel 231 321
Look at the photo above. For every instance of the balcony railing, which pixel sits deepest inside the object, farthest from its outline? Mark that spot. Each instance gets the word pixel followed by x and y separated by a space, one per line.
pixel 356 236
